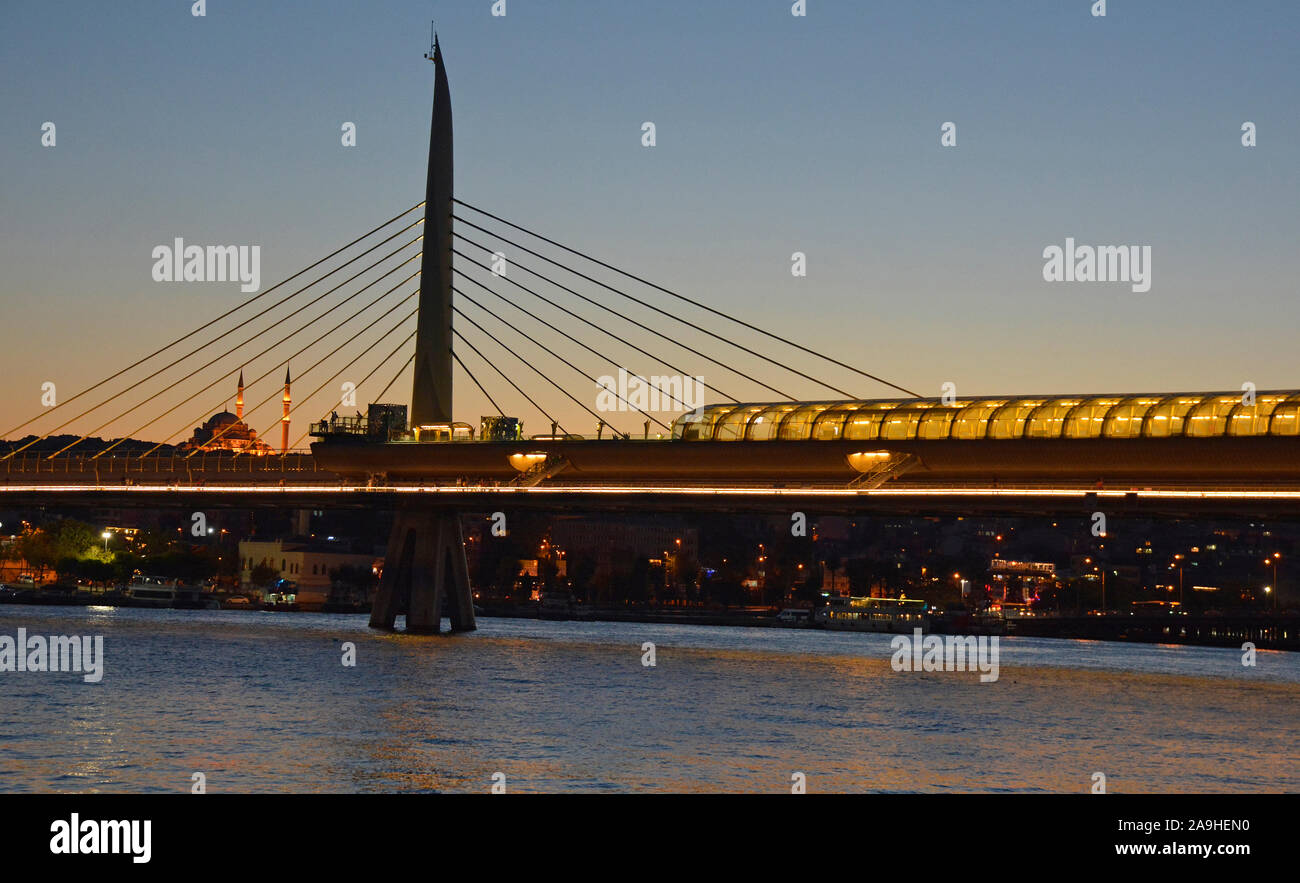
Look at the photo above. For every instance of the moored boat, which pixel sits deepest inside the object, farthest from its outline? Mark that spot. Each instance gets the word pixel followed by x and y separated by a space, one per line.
pixel 873 615
pixel 165 592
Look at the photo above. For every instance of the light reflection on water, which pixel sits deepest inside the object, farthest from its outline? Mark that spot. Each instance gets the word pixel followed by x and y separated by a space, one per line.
pixel 261 702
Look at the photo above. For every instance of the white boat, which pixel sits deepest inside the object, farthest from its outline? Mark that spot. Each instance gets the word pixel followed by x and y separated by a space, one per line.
pixel 158 591
pixel 873 615
pixel 795 616
pixel 561 605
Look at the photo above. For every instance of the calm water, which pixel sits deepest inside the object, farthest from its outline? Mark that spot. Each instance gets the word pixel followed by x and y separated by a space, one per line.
pixel 261 702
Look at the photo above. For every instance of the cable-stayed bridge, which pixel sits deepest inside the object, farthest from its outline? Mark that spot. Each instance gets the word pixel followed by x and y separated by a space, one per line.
pixel 361 300
pixel 543 330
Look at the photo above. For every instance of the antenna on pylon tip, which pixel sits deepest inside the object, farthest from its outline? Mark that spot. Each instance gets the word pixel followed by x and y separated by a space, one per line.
pixel 432 54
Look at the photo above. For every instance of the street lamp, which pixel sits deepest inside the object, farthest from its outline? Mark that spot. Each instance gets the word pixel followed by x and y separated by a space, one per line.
pixel 106 535
pixel 1273 561
pixel 1268 590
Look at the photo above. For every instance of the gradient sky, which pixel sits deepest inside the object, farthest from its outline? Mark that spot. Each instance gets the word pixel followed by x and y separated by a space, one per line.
pixel 775 134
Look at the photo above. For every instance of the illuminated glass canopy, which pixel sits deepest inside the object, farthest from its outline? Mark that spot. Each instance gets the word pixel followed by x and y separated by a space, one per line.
pixel 1159 415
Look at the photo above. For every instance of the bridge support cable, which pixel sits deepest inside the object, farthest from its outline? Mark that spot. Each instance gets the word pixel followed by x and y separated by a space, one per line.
pixel 286 360
pixel 525 362
pixel 213 361
pixel 231 312
pixel 245 342
pixel 465 368
pixel 558 357
pixel 587 321
pixel 387 334
pixel 528 364
pixel 389 385
pixel 378 398
pixel 261 377
pixel 503 374
pixel 640 325
pixel 684 298
pixel 687 322
pixel 410 337
pixel 563 333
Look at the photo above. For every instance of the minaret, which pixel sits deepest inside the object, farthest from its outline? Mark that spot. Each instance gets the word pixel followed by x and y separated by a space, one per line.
pixel 431 391
pixel 239 397
pixel 284 421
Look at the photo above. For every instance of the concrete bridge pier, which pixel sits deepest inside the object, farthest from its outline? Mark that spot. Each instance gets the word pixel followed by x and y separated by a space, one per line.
pixel 424 568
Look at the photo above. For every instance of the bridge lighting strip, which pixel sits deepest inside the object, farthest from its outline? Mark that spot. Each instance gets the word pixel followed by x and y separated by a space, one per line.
pixel 613 490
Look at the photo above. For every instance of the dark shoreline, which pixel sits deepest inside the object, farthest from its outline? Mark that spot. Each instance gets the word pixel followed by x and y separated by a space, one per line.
pixel 1265 632
pixel 1278 632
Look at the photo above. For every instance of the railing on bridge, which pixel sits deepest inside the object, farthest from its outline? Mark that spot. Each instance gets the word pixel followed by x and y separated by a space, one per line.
pixel 112 469
pixel 385 429
pixel 357 426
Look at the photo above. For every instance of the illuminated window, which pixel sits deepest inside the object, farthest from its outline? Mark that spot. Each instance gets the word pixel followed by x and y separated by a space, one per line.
pixel 1111 417
pixel 972 420
pixel 1210 417
pixel 1125 420
pixel 732 427
pixel 1048 420
pixel 864 424
pixel 764 426
pixel 798 424
pixel 1286 418
pixel 702 429
pixel 1255 419
pixel 1009 420
pixel 1087 420
pixel 1166 419
pixel 902 422
pixel 829 425
pixel 936 422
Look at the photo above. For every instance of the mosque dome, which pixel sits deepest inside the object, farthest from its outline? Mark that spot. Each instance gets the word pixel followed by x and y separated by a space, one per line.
pixel 225 431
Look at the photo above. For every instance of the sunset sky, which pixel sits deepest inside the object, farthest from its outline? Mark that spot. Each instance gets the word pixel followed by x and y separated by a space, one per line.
pixel 775 134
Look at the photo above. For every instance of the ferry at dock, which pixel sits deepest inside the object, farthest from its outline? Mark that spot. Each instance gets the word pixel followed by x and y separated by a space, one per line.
pixel 874 615
pixel 563 606
pixel 157 591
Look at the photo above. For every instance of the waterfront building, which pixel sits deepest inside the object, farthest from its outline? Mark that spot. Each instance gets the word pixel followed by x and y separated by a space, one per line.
pixel 306 563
